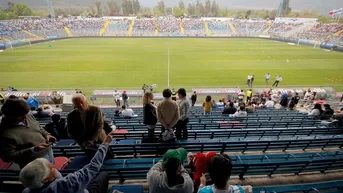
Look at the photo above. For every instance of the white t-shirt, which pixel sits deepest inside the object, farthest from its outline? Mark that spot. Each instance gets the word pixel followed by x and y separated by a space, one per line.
pixel 116 96
pixel 270 104
pixel 240 114
pixel 249 77
pixel 275 97
pixel 267 76
pixel 241 95
pixel 127 113
pixel 278 78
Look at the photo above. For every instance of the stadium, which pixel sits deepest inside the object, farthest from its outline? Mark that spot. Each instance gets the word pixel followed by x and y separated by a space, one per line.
pixel 228 104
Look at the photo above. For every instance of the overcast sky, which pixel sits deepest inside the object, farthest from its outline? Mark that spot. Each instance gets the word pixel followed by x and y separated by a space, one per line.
pixel 323 6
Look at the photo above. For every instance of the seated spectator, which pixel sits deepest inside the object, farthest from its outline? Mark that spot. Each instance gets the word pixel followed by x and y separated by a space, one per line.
pixel 327 113
pixel 235 104
pixel 58 127
pixel 117 113
pixel 270 103
pixel 22 139
pixel 241 112
pixel 219 169
pixel 33 111
pixel 127 113
pixel 230 109
pixel 198 164
pixel 41 176
pixel 169 175
pixel 316 111
pixel 207 104
pixel 249 108
pixel 48 109
pixel 41 114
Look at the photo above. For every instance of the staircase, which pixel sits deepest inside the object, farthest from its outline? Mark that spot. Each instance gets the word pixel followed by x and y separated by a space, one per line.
pixel 208 32
pixel 129 32
pixel 103 29
pixel 156 30
pixel 265 32
pixel 68 31
pixel 31 34
pixel 232 27
pixel 338 33
pixel 182 29
pixel 5 39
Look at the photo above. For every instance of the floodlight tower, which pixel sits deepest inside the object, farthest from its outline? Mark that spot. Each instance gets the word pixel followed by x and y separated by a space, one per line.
pixel 51 8
pixel 283 6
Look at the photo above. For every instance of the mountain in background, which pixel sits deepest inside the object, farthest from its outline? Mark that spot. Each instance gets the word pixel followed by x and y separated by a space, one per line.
pixel 323 6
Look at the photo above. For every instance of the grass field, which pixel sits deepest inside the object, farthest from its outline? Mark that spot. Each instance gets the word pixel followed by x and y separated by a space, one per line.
pixel 128 63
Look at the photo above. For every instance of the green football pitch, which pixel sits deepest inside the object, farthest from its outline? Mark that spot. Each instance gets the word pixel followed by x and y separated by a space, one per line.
pixel 127 63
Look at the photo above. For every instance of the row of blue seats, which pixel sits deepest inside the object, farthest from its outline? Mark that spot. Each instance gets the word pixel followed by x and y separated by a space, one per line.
pixel 127 169
pixel 230 125
pixel 135 148
pixel 240 133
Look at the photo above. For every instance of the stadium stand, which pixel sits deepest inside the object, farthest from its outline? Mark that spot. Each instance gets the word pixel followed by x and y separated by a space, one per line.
pixel 144 27
pixel 194 27
pixel 219 28
pixel 117 28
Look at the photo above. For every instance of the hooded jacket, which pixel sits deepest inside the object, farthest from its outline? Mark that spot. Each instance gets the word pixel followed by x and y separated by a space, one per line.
pixel 158 181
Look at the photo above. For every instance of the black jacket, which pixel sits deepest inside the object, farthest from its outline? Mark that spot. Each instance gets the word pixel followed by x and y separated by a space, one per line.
pixel 327 114
pixel 194 97
pixel 229 110
pixel 149 115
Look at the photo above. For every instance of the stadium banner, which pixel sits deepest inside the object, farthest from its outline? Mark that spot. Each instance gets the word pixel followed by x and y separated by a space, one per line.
pixel 52 37
pixel 38 93
pixel 295 20
pixel 226 91
pixel 110 93
pixel 322 92
pixel 264 36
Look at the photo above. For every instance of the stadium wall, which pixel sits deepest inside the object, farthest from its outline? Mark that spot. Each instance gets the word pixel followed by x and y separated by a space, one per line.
pixel 311 43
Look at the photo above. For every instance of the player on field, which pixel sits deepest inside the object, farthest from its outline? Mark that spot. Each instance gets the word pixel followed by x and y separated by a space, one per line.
pixel 277 80
pixel 267 78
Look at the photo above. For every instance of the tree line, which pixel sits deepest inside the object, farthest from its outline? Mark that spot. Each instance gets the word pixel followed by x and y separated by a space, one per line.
pixel 204 8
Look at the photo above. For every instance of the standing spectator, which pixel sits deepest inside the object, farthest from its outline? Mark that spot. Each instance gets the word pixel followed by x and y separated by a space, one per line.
pixel 31 101
pixel 291 105
pixel 173 95
pixel 198 164
pixel 249 95
pixel 241 112
pixel 296 99
pixel 169 175
pixel 116 97
pixel 284 100
pixel 277 81
pixel 149 114
pixel 207 104
pixel 22 139
pixel 181 126
pixel 230 110
pixel 327 113
pixel 125 98
pixel 167 111
pixel 58 127
pixel 219 168
pixel 317 110
pixel 2 99
pixel 41 114
pixel 276 97
pixel 241 96
pixel 41 176
pixel 194 98
pixel 267 77
pixel 85 125
pixel 126 112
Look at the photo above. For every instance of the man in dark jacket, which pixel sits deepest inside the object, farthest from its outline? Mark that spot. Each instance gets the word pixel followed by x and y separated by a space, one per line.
pixel 125 98
pixel 58 127
pixel 22 139
pixel 328 112
pixel 230 110
pixel 194 98
pixel 85 124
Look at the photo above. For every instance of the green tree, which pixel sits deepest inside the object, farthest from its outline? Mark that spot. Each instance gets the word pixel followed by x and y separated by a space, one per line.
pixel 22 10
pixel 292 14
pixel 113 7
pixel 191 9
pixel 178 12
pixel 182 5
pixel 12 15
pixel 98 7
pixel 214 9
pixel 160 6
pixel 127 7
pixel 3 15
pixel 323 19
pixel 136 6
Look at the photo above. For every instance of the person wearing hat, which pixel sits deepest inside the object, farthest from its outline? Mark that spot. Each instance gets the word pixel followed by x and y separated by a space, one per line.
pixel 22 139
pixel 184 106
pixel 169 175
